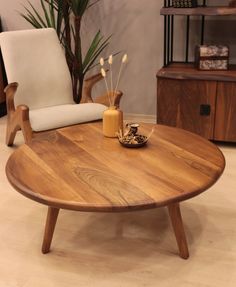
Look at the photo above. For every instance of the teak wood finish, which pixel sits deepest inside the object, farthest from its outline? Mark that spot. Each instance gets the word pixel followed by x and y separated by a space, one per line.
pixel 225 121
pixel 18 117
pixel 200 11
pixel 180 71
pixel 232 3
pixel 182 89
pixel 179 105
pixel 77 168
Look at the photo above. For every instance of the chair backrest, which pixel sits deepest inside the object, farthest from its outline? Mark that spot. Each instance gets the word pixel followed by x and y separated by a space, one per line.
pixel 35 59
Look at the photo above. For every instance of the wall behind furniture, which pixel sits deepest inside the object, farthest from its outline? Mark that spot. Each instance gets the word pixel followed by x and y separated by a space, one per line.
pixel 137 29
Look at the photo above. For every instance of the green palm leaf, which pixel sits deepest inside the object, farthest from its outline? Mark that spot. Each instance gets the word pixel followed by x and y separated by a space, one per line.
pixel 31 16
pixel 55 3
pixel 47 17
pixel 78 6
pixel 97 39
pixel 60 16
pixel 33 22
pixel 96 47
pixel 39 18
pixel 52 14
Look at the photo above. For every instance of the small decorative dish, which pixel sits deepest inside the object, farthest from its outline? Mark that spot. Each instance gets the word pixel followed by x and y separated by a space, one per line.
pixel 131 139
pixel 135 142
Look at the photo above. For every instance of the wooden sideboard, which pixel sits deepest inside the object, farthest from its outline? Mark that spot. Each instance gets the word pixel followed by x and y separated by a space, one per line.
pixel 203 102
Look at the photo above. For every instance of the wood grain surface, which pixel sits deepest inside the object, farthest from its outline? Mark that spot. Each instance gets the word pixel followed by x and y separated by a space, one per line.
pixel 225 121
pixel 78 168
pixel 178 105
pixel 204 11
pixel 182 71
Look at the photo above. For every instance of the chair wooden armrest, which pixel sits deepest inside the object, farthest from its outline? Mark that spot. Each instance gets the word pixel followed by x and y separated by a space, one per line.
pixel 17 118
pixel 104 99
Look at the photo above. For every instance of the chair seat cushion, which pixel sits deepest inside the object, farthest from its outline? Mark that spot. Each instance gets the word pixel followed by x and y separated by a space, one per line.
pixel 64 115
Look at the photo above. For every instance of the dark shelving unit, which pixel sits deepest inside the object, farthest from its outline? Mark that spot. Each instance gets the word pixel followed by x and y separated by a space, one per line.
pixel 203 102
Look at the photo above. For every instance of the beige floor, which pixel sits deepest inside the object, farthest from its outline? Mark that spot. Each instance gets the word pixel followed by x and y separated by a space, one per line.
pixel 119 250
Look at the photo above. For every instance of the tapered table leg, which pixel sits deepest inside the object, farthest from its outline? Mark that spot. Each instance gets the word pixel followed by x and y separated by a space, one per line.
pixel 49 228
pixel 177 223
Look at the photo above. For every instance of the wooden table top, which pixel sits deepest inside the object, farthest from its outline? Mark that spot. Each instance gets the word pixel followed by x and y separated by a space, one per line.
pixel 78 168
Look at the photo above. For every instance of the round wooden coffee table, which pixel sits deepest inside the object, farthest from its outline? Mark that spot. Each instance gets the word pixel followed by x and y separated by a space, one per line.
pixel 77 168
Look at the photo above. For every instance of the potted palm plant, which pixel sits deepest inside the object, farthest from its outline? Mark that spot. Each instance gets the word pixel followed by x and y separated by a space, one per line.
pixel 65 16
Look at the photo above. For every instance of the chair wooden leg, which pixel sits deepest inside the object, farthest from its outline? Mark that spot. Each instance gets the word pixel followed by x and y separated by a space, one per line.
pixel 177 223
pixel 49 228
pixel 26 128
pixel 18 120
pixel 10 135
pixel 25 123
pixel 12 114
pixel 27 133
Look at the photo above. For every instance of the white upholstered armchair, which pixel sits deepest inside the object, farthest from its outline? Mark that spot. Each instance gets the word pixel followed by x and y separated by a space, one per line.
pixel 39 94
